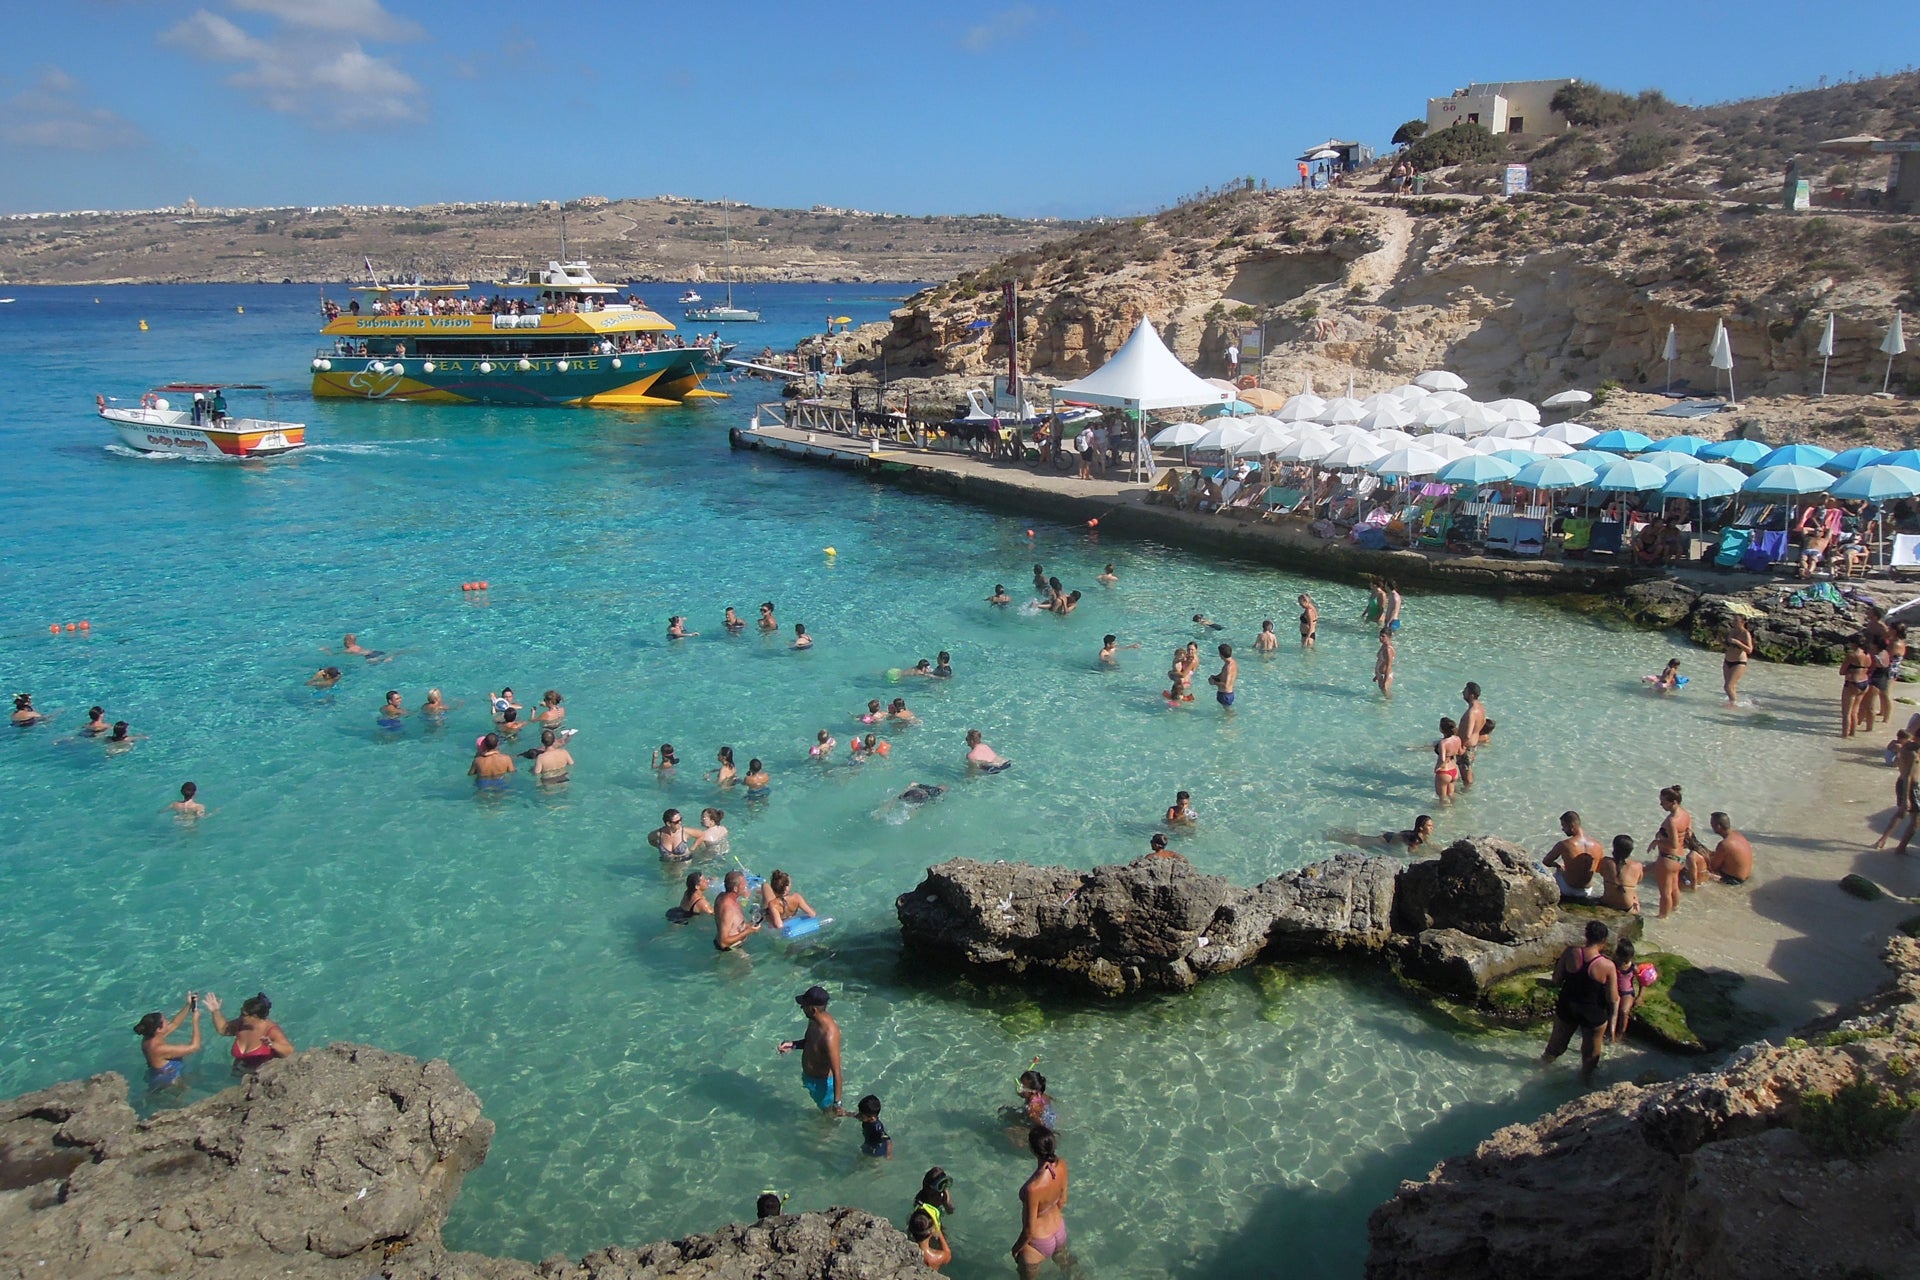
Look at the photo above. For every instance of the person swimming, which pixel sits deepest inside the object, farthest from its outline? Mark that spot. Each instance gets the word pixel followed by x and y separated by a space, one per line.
pixel 664 758
pixel 999 595
pixel 24 715
pixel 871 745
pixel 1107 577
pixel 823 746
pixel 897 710
pixel 733 622
pixel 391 712
pixel 767 621
pixel 96 723
pixel 350 643
pixel 670 838
pixel 120 740
pixel 694 901
pixel 677 627
pixel 983 758
pixel 324 678
pixel 943 666
pixel 874 713
pixel 726 775
pixel 801 640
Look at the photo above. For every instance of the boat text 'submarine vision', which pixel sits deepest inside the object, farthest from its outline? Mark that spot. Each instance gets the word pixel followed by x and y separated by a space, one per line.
pixel 574 342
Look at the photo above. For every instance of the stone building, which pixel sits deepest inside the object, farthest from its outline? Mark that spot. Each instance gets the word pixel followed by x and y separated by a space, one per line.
pixel 1508 106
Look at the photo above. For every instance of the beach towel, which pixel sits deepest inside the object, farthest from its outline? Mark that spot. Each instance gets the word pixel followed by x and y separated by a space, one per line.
pixel 1690 409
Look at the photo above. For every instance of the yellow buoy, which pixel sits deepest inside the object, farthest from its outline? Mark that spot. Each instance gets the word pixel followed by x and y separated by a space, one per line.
pixel 143 326
pixel 832 552
pixel 241 310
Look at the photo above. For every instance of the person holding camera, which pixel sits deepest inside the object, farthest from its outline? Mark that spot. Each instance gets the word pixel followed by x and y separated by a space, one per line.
pixel 166 1062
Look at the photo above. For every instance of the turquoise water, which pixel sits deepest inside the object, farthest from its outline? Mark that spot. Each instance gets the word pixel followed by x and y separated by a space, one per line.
pixel 355 876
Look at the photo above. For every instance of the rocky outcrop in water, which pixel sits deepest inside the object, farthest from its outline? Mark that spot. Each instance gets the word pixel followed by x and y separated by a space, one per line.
pixel 1795 1161
pixel 1788 625
pixel 337 1163
pixel 1457 923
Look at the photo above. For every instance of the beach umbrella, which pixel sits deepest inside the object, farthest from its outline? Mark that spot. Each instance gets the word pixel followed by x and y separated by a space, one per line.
pixel 1459 401
pixel 1390 437
pixel 1230 409
pixel 1448 447
pixel 1305 407
pixel 1267 435
pixel 1825 352
pixel 1544 447
pixel 1628 475
pixel 1476 469
pixel 1722 357
pixel 1799 455
pixel 1597 460
pixel 1669 461
pixel 1223 384
pixel 1555 473
pixel 1853 459
pixel 1408 393
pixel 1309 444
pixel 1262 399
pixel 1691 445
pixel 1572 432
pixel 1513 429
pixel 1181 434
pixel 1566 400
pixel 1745 453
pixel 1353 455
pixel 1618 441
pixel 1440 380
pixel 1515 458
pixel 1901 458
pixel 1518 410
pixel 1895 344
pixel 1225 435
pixel 1698 480
pixel 1787 479
pixel 1435 418
pixel 1408 461
pixel 1342 409
pixel 1670 353
pixel 1388 415
pixel 1878 484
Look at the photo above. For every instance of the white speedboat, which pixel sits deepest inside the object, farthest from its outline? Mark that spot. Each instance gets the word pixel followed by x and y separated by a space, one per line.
pixel 202 429
pixel 690 297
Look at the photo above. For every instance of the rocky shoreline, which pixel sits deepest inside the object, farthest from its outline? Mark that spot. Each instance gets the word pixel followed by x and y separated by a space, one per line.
pixel 337 1164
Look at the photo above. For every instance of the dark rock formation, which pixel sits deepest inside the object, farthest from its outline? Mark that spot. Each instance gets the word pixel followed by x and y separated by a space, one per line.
pixel 1456 923
pixel 1715 1176
pixel 1153 923
pixel 337 1163
pixel 1812 631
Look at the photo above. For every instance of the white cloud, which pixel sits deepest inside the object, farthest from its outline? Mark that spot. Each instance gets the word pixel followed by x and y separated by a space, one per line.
pixel 312 64
pixel 1008 24
pixel 362 19
pixel 50 114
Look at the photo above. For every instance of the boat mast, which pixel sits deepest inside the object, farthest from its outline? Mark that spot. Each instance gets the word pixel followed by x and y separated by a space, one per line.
pixel 726 227
pixel 563 235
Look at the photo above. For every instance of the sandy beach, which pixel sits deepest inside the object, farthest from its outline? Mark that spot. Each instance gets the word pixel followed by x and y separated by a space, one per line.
pixel 1803 945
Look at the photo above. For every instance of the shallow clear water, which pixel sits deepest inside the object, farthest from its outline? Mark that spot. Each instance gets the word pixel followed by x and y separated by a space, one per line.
pixel 355 876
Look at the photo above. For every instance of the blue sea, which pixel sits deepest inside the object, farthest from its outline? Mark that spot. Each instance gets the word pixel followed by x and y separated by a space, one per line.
pixel 355 876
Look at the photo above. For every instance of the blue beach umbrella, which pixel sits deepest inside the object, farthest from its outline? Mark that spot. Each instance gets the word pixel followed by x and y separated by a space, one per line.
pixel 1479 468
pixel 1703 480
pixel 1900 458
pixel 1628 475
pixel 1878 483
pixel 1853 459
pixel 1619 442
pixel 1669 462
pixel 1787 479
pixel 1518 459
pixel 1231 409
pixel 1743 453
pixel 1555 473
pixel 1796 455
pixel 1593 457
pixel 1690 445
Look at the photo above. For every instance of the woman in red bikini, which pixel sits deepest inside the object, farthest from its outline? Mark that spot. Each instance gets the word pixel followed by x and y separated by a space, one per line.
pixel 257 1039
pixel 1043 1198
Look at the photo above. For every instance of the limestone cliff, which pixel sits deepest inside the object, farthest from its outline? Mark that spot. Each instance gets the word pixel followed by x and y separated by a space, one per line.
pixel 1797 1160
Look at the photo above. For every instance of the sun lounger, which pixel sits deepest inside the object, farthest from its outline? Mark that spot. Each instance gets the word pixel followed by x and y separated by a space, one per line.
pixel 1906 552
pixel 1605 540
pixel 1282 501
pixel 1501 533
pixel 1529 536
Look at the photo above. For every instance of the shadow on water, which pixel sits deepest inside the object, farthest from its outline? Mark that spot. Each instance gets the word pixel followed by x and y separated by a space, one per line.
pixel 743 1096
pixel 1299 1232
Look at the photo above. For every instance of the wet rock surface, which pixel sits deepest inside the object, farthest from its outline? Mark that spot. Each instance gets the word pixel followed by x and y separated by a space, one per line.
pixel 337 1163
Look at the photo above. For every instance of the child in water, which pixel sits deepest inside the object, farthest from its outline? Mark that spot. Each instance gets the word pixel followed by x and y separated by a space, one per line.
pixel 1669 678
pixel 874 1140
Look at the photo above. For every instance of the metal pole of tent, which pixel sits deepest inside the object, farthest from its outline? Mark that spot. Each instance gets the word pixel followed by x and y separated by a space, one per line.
pixel 1824 362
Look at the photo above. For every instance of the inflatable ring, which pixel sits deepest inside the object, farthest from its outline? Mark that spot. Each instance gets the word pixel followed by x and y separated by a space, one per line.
pixel 1248 382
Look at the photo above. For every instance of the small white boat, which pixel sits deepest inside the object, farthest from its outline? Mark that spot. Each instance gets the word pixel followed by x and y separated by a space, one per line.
pixel 728 314
pixel 689 296
pixel 203 429
pixel 5 301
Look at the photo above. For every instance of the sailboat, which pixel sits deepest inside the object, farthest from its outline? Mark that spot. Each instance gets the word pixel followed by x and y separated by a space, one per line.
pixel 707 315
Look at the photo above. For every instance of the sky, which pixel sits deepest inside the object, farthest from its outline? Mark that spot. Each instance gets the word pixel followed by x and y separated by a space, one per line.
pixel 1035 109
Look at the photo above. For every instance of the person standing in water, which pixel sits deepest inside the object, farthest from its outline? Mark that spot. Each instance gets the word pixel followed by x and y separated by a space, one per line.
pixel 166 1061
pixel 1390 618
pixel 981 757
pixel 1736 653
pixel 1043 1203
pixel 1671 843
pixel 819 1051
pixel 1446 757
pixel 1376 608
pixel 490 766
pixel 552 763
pixel 1383 664
pixel 257 1038
pixel 1473 731
pixel 767 621
pixel 389 716
pixel 1223 682
pixel 730 927
pixel 1309 621
pixel 1266 641
pixel 186 806
pixel 1589 1000
pixel 1107 577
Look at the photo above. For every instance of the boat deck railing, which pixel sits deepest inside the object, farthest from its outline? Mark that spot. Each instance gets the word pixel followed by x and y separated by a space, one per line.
pixel 838 420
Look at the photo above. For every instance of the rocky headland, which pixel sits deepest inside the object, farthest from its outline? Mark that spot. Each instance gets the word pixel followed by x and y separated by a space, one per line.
pixel 1795 1160
pixel 1456 924
pixel 337 1164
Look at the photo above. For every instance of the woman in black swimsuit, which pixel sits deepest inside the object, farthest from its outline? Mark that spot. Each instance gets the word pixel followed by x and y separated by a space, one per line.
pixel 1853 683
pixel 1733 662
pixel 1309 621
pixel 1588 1001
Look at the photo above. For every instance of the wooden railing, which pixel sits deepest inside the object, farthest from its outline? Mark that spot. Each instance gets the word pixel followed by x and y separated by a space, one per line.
pixel 838 420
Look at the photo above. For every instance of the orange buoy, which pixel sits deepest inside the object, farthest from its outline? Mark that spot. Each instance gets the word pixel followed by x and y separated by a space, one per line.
pixel 72 627
pixel 466 586
pixel 1094 523
pixel 1029 533
pixel 483 586
pixel 55 628
pixel 85 625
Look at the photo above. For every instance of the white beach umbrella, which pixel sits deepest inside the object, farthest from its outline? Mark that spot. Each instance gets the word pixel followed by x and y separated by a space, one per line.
pixel 1514 429
pixel 1571 432
pixel 1180 434
pixel 1543 446
pixel 1391 437
pixel 1226 434
pixel 1409 461
pixel 1342 409
pixel 1722 356
pixel 1448 447
pixel 1265 435
pixel 1671 352
pixel 1520 410
pixel 1566 400
pixel 1305 407
pixel 1494 444
pixel 1388 415
pixel 1825 352
pixel 1223 385
pixel 1353 455
pixel 1895 345
pixel 1452 399
pixel 1309 444
pixel 1440 380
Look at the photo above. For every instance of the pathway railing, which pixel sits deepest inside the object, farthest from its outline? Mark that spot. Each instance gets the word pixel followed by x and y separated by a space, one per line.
pixel 838 420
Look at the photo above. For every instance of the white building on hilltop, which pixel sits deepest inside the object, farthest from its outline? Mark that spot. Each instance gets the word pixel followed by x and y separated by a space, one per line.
pixel 1507 106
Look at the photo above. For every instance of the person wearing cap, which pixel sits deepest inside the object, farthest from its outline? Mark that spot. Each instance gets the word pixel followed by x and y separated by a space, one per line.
pixel 819 1051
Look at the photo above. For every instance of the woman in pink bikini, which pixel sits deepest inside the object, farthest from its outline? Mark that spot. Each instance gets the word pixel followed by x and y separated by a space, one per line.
pixel 257 1039
pixel 1043 1199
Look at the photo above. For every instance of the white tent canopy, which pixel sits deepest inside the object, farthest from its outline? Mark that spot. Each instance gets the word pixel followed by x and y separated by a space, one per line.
pixel 1143 375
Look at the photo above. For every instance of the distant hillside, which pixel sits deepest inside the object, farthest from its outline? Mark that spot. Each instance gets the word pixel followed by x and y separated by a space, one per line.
pixel 654 239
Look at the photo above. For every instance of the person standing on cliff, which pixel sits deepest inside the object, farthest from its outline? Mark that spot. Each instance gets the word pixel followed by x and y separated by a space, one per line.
pixel 1589 1000
pixel 819 1051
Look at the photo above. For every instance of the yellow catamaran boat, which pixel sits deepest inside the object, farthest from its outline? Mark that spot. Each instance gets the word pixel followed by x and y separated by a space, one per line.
pixel 577 342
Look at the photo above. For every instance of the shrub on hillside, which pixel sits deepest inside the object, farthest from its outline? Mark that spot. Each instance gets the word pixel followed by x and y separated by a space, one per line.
pixel 1411 131
pixel 1641 153
pixel 1460 143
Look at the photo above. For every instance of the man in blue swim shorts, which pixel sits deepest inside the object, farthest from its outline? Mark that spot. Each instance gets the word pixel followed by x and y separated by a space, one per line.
pixel 1229 672
pixel 819 1051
